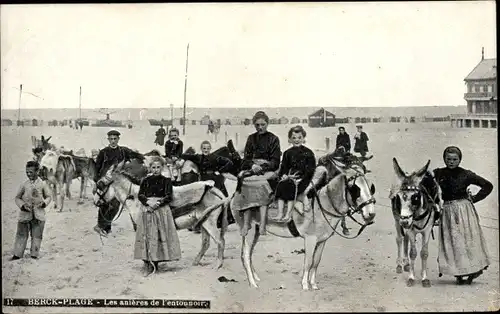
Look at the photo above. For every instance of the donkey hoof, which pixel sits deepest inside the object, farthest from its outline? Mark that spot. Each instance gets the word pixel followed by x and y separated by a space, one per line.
pixel 80 202
pixel 399 269
pixel 426 283
pixel 410 282
pixel 407 267
pixel 315 287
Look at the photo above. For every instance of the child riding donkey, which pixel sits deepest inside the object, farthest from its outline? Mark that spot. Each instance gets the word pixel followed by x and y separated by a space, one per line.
pixel 296 171
pixel 211 167
pixel 173 151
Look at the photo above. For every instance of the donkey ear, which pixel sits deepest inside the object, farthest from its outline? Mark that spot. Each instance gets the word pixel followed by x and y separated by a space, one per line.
pixel 340 166
pixel 397 169
pixel 423 170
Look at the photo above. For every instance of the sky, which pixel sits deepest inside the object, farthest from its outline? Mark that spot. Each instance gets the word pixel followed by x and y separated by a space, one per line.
pixel 242 54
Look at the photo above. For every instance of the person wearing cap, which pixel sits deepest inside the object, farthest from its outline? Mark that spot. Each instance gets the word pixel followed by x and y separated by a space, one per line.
pixel 108 156
pixel 361 141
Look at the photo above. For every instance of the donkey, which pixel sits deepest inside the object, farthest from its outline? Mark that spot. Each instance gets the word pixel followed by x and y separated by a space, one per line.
pixel 331 203
pixel 198 203
pixel 414 202
pixel 58 170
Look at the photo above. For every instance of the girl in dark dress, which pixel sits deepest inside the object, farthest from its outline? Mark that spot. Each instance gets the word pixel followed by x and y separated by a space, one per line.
pixel 156 237
pixel 298 161
pixel 462 247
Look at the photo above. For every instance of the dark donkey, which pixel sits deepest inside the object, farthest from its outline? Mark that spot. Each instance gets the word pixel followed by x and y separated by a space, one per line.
pixel 192 173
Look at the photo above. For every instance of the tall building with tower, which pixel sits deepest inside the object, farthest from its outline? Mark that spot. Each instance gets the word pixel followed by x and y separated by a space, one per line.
pixel 481 97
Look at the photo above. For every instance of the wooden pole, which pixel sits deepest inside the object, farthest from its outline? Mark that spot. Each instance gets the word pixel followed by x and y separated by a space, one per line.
pixel 19 108
pixel 185 89
pixel 327 144
pixel 80 104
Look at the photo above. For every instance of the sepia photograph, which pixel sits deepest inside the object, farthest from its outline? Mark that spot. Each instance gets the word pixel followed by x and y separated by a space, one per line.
pixel 249 157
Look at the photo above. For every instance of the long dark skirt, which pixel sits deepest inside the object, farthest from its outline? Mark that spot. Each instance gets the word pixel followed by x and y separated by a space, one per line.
pixel 286 189
pixel 462 247
pixel 156 237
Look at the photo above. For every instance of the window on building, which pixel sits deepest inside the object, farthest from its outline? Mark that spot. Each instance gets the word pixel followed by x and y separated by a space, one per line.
pixel 476 88
pixel 469 88
pixel 490 88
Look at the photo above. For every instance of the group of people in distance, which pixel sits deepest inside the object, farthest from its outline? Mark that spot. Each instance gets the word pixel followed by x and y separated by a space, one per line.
pixel 462 248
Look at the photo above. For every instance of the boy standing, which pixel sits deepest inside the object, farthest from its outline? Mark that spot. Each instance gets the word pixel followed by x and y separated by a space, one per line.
pixel 32 198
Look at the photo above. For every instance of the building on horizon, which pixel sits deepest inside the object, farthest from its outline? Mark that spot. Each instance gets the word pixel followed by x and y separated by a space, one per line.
pixel 481 97
pixel 321 118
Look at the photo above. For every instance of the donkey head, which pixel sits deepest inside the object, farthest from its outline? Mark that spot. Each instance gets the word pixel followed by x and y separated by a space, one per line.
pixel 357 191
pixel 408 197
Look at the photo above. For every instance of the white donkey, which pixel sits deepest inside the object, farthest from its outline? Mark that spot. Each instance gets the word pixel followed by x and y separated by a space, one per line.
pixel 340 195
pixel 414 207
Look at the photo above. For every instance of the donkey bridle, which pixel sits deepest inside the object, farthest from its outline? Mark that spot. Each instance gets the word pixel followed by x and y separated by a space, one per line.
pixel 352 208
pixel 426 213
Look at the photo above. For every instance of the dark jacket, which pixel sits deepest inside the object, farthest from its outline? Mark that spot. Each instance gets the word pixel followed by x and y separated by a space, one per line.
pixel 361 144
pixel 110 156
pixel 454 184
pixel 172 149
pixel 344 140
pixel 209 163
pixel 262 146
pixel 155 186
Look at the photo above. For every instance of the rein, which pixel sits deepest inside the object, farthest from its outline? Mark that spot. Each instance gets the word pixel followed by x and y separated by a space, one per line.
pixel 427 213
pixel 120 211
pixel 352 210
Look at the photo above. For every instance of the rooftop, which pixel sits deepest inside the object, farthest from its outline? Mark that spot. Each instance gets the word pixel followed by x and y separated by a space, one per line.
pixel 486 69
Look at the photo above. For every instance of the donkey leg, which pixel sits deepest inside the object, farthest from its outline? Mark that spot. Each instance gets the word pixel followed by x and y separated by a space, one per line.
pixel 210 225
pixel 399 241
pixel 54 196
pixel 309 245
pixel 424 254
pixel 413 256
pixel 318 253
pixel 83 183
pixel 406 261
pixel 205 244
pixel 254 242
pixel 60 196
pixel 246 257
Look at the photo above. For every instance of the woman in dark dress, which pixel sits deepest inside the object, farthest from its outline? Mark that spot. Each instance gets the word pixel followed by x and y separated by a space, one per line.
pixel 298 161
pixel 343 139
pixel 462 247
pixel 262 155
pixel 156 237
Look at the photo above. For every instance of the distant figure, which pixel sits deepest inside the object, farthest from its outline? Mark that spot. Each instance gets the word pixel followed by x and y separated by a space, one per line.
pixel 81 125
pixel 160 136
pixel 361 144
pixel 343 139
pixel 211 127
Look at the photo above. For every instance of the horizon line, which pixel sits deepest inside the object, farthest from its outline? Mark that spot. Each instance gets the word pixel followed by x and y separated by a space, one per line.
pixel 212 107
